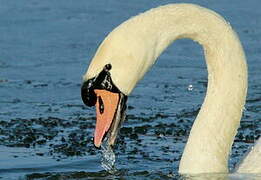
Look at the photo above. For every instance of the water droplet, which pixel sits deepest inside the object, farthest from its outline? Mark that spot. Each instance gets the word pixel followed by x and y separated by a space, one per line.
pixel 161 135
pixel 190 87
pixel 108 157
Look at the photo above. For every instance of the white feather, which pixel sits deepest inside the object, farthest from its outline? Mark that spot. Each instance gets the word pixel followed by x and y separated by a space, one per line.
pixel 133 47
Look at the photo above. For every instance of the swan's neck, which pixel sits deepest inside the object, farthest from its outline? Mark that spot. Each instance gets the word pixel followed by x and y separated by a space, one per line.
pixel 133 47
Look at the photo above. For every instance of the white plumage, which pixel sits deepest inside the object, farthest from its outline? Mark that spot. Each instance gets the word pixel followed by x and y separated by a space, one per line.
pixel 133 47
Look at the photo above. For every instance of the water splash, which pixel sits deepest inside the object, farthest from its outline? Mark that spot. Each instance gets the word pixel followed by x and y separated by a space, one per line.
pixel 108 157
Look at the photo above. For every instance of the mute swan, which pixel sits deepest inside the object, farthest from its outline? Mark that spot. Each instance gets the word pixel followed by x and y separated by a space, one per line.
pixel 130 50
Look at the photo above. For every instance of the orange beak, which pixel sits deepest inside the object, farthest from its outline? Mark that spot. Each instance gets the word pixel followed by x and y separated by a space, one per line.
pixel 106 108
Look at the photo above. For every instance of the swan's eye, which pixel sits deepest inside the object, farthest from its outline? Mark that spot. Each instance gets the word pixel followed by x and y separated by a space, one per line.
pixel 101 105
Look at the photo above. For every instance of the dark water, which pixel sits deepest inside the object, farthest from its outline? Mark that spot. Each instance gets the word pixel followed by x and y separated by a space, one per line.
pixel 46 131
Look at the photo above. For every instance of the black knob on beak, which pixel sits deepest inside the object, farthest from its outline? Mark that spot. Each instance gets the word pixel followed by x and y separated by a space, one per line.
pixel 101 81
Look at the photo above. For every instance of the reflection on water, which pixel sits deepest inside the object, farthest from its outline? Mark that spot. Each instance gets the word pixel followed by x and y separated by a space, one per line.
pixel 222 177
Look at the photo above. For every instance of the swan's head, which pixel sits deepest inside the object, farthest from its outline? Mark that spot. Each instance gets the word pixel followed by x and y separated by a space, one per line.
pixel 119 63
pixel 110 104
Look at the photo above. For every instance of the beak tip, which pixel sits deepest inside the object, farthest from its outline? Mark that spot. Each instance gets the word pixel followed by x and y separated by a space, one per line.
pixel 97 146
pixel 97 143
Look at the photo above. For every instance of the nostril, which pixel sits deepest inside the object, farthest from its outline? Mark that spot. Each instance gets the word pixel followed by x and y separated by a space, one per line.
pixel 101 105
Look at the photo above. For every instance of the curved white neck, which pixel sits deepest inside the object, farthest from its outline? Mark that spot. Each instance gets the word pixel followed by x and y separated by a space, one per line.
pixel 133 47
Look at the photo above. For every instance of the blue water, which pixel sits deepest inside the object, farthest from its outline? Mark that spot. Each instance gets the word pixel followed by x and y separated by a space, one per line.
pixel 46 131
